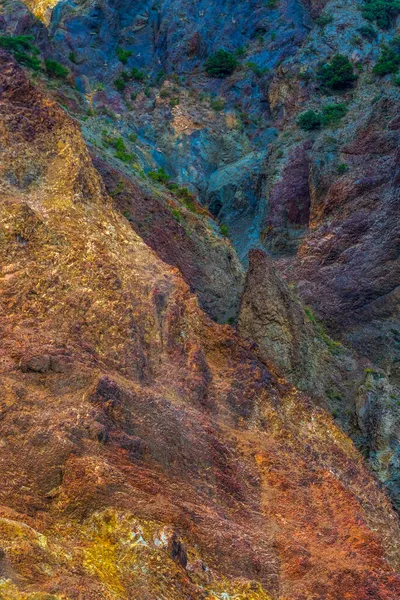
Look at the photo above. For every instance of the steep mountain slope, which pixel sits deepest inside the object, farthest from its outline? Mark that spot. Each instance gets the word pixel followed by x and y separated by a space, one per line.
pixel 324 202
pixel 346 264
pixel 147 452
pixel 360 396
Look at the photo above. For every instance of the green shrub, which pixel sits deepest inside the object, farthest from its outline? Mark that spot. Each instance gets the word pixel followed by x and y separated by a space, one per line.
pixel 177 215
pixel 124 77
pixel 332 113
pixel 119 146
pixel 381 11
pixel 355 40
pixel 240 52
pixel 221 64
pixel 257 70
pixel 324 20
pixel 338 74
pixel 21 47
pixel 342 168
pixel 55 69
pixel 120 84
pixel 310 120
pixel 388 61
pixel 123 55
pixel 186 196
pixel 174 102
pixel 368 32
pixel 160 176
pixel 161 75
pixel 113 142
pixel 124 156
pixel 224 229
pixel 14 43
pixel 217 104
pixel 137 75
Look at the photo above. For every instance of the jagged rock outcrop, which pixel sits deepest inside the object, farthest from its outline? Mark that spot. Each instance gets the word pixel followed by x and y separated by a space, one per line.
pixel 145 450
pixel 183 237
pixel 348 266
pixel 272 316
pixel 360 396
pixel 345 258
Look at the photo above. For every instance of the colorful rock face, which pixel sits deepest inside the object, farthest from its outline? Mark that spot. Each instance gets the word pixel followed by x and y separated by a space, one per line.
pixel 148 449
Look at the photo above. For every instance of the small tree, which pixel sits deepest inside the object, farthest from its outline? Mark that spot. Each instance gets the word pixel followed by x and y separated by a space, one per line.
pixel 388 61
pixel 124 55
pixel 332 113
pixel 368 32
pixel 22 49
pixel 221 64
pixel 310 120
pixel 55 69
pixel 381 11
pixel 338 74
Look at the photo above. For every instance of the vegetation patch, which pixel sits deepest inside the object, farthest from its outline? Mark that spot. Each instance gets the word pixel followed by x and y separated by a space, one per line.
pixel 330 115
pixel 137 74
pixel 221 64
pixel 176 213
pixel 324 20
pixel 333 346
pixel 123 55
pixel 310 120
pixel 24 52
pixel 217 104
pixel 368 32
pixel 159 176
pixel 119 146
pixel 224 229
pixel 381 11
pixel 257 70
pixel 125 77
pixel 55 69
pixel 389 59
pixel 338 74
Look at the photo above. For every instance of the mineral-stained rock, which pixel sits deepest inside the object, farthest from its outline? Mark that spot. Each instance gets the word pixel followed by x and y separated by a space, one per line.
pixel 169 460
pixel 348 265
pixel 358 394
pixel 288 214
pixel 206 260
pixel 288 335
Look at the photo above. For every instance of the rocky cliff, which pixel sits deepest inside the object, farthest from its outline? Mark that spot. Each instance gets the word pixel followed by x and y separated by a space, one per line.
pixel 149 449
